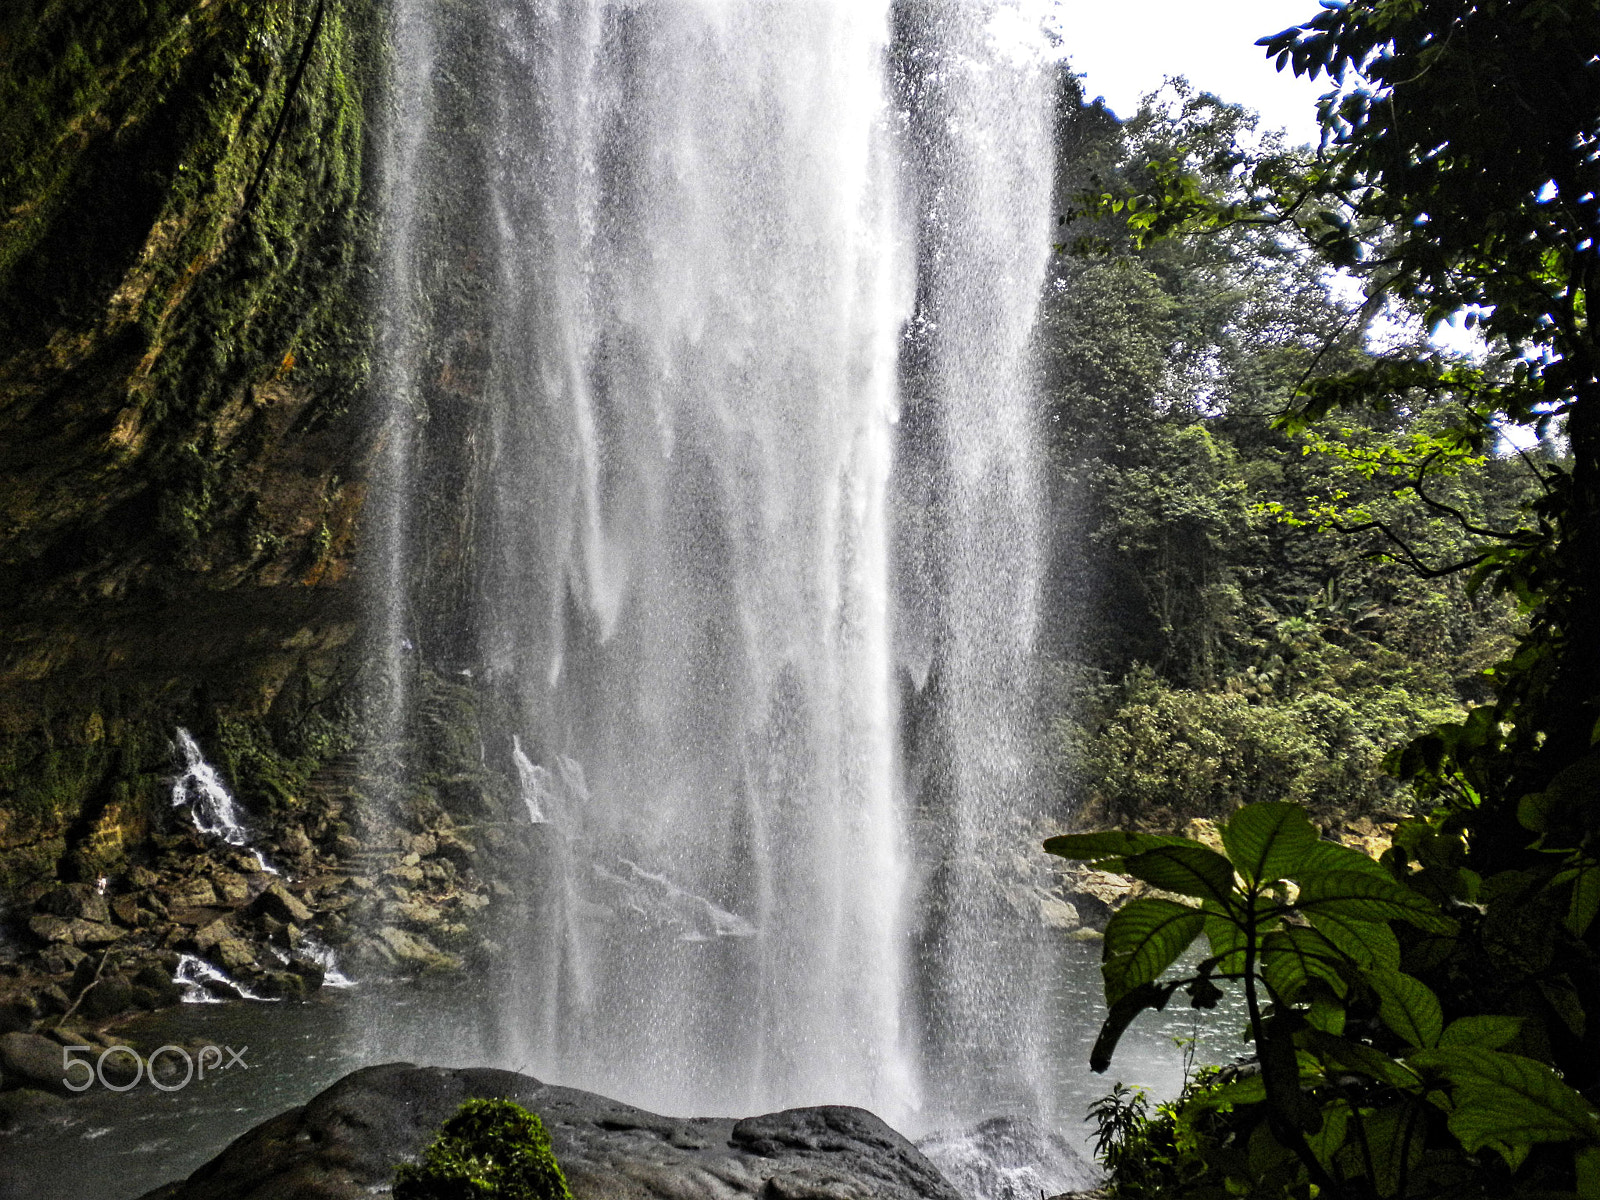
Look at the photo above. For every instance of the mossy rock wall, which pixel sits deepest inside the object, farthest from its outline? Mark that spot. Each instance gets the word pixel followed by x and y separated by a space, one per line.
pixel 186 246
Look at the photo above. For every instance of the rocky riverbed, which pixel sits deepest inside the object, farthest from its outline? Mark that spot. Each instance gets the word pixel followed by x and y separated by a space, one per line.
pixel 209 920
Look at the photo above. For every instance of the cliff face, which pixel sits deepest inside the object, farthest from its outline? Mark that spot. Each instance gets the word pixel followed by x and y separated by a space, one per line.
pixel 184 341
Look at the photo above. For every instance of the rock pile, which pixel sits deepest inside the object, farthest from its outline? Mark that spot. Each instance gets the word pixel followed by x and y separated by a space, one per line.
pixel 415 904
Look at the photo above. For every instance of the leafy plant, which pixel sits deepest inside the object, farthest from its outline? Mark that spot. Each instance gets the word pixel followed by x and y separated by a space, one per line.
pixel 489 1150
pixel 1360 1085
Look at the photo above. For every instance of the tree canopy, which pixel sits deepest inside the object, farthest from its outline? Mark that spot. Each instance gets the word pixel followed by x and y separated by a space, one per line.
pixel 1457 177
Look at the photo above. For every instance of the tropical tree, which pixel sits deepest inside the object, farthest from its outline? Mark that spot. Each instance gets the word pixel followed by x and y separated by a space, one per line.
pixel 1457 178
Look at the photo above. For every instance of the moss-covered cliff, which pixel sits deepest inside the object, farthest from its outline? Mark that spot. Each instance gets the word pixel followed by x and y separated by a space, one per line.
pixel 185 244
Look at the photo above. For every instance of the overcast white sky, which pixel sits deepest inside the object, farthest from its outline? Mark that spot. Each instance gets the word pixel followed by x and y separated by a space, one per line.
pixel 1126 49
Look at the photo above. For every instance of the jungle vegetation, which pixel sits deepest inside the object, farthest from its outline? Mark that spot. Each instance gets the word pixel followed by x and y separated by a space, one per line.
pixel 1327 545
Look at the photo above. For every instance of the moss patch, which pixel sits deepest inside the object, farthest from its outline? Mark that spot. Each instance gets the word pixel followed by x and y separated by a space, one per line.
pixel 490 1150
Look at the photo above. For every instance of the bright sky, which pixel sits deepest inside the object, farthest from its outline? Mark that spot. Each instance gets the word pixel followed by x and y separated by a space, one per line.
pixel 1125 50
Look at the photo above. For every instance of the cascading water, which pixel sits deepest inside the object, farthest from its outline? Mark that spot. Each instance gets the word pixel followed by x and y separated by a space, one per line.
pixel 710 245
pixel 200 789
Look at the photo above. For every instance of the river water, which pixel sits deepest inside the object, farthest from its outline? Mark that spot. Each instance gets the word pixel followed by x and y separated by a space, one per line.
pixel 118 1146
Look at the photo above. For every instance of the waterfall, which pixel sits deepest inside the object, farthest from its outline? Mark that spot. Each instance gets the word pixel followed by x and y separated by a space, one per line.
pixel 722 333
pixel 200 789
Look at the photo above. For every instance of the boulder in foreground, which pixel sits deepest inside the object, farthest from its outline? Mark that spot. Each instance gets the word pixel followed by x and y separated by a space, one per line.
pixel 346 1142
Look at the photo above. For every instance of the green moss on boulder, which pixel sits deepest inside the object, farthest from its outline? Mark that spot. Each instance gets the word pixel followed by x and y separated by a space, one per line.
pixel 490 1150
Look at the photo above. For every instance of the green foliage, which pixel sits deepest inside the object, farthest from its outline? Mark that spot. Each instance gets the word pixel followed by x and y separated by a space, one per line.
pixel 144 272
pixel 1367 1080
pixel 1163 755
pixel 1398 1057
pixel 1183 1147
pixel 489 1150
pixel 1217 656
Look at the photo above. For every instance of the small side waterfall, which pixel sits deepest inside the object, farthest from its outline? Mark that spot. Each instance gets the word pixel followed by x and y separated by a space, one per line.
pixel 734 377
pixel 200 789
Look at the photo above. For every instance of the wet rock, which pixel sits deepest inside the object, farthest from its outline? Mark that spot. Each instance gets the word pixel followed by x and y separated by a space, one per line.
pixel 85 973
pixel 36 1059
pixel 280 903
pixel 75 900
pixel 50 929
pixel 437 873
pixel 295 844
pixel 118 1064
pixel 60 959
pixel 232 888
pixel 143 878
pixel 106 998
pixel 53 1000
pixel 347 1142
pixel 126 910
pixel 309 969
pixel 17 1016
pixel 206 939
pixel 73 931
pixel 419 915
pixel 416 953
pixel 232 954
pixel 282 985
pixel 1095 894
pixel 26 1109
pixel 453 847
pixel 192 893
pixel 1055 913
pixel 157 982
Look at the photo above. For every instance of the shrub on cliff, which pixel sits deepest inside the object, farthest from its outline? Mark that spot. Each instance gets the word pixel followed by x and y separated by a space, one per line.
pixel 489 1150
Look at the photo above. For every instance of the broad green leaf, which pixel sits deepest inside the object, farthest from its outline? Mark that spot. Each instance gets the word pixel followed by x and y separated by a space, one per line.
pixel 1486 1033
pixel 1189 870
pixel 1365 897
pixel 1111 843
pixel 1268 841
pixel 1267 1156
pixel 1239 1091
pixel 1365 943
pixel 1227 940
pixel 1506 1101
pixel 1122 1012
pixel 1331 856
pixel 1142 939
pixel 1585 903
pixel 1407 1006
pixel 1326 1015
pixel 1588 1168
pixel 1360 1059
pixel 1203 993
pixel 1328 1140
pixel 1562 996
pixel 1281 1068
pixel 1395 1137
pixel 1292 958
